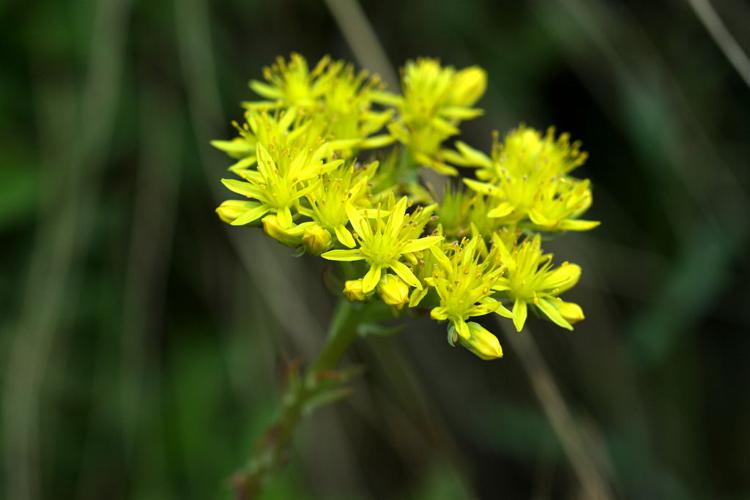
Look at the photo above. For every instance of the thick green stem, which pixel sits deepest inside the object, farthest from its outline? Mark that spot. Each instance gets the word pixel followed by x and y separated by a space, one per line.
pixel 341 334
pixel 271 451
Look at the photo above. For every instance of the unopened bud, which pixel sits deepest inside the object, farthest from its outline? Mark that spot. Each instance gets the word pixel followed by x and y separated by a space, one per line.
pixel 570 311
pixel 289 236
pixel 353 291
pixel 316 239
pixel 469 85
pixel 229 210
pixel 393 291
pixel 481 342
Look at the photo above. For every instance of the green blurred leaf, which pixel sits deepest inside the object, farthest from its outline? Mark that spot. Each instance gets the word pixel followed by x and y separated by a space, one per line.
pixel 19 184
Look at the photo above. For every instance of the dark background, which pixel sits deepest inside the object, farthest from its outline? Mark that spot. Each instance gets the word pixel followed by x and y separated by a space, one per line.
pixel 143 344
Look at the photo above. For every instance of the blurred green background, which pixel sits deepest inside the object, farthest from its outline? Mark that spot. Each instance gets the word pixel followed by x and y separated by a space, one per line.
pixel 143 344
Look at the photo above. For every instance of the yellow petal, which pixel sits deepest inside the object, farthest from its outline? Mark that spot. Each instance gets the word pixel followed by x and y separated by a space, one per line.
pixel 481 187
pixel 503 311
pixel 578 224
pixel 439 313
pixel 243 188
pixel 265 90
pixel 344 236
pixel 396 220
pixel 250 215
pixel 473 156
pixel 371 279
pixel 561 279
pixel 417 295
pixel 343 255
pixel 462 328
pixel 376 141
pixel 520 312
pixel 405 274
pixel 441 258
pixel 421 244
pixel 285 216
pixel 501 210
pixel 359 223
pixel 549 310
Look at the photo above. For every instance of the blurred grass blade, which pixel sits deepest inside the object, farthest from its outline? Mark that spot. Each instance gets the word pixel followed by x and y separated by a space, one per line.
pixel 61 237
pixel 723 38
pixel 580 455
pixel 362 39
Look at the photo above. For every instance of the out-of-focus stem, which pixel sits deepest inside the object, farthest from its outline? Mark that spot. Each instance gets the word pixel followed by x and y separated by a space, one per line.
pixel 581 458
pixel 271 451
pixel 362 38
pixel 723 38
pixel 61 239
pixel 341 334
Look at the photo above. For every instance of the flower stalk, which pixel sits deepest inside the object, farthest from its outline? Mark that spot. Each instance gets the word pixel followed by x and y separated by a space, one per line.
pixel 321 385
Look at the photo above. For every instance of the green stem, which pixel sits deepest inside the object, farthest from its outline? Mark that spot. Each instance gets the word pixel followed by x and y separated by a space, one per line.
pixel 341 334
pixel 271 451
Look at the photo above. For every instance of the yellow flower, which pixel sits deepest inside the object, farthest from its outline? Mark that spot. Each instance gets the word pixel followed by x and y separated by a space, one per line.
pixel 290 83
pixel 462 209
pixel 524 151
pixel 347 105
pixel 330 197
pixel 436 99
pixel 559 203
pixel 531 280
pixel 526 177
pixel 382 244
pixel 470 251
pixel 464 283
pixel 279 182
pixel 333 94
pixel 283 129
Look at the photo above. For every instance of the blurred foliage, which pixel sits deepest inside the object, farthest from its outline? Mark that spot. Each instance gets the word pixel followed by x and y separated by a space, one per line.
pixel 144 345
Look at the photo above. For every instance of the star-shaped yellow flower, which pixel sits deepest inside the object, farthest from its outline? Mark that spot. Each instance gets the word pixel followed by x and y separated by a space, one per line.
pixel 383 242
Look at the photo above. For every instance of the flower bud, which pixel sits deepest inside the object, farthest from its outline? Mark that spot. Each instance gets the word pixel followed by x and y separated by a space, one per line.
pixel 291 236
pixel 481 342
pixel 316 239
pixel 353 291
pixel 469 85
pixel 393 291
pixel 229 210
pixel 570 311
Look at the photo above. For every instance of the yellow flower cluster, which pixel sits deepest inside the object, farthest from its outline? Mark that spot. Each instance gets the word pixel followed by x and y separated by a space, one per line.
pixel 476 251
